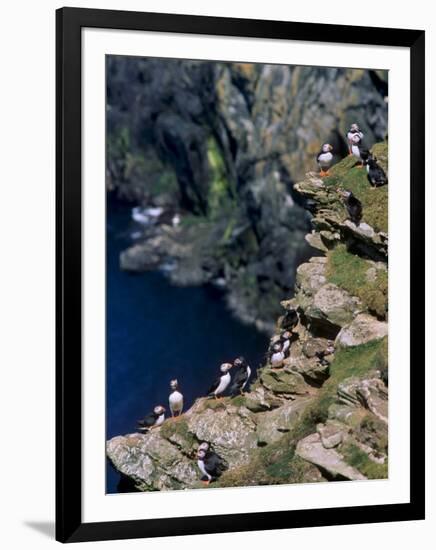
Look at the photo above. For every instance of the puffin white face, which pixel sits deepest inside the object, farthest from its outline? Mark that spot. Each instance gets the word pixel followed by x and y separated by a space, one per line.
pixel 159 410
pixel 277 347
pixel 204 446
pixel 355 127
pixel 174 384
pixel 201 454
pixel 326 148
pixel 225 367
pixel 344 193
pixel 287 334
pixel 356 139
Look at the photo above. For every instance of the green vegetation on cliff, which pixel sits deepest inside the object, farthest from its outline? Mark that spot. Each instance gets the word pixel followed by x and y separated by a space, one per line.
pixel 139 173
pixel 271 465
pixel 359 278
pixel 348 362
pixel 221 200
pixel 353 178
pixel 359 459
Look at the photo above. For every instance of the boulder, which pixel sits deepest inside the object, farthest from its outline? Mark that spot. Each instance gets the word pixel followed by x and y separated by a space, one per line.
pixel 362 329
pixel 332 433
pixel 272 425
pixel 370 393
pixel 152 462
pixel 333 305
pixel 311 449
pixel 231 432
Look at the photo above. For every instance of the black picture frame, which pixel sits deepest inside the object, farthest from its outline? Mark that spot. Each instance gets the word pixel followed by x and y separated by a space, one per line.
pixel 69 23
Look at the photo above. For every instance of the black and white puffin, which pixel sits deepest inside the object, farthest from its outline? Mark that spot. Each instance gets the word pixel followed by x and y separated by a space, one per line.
pixel 356 147
pixel 376 174
pixel 211 465
pixel 353 206
pixel 153 419
pixel 325 159
pixel 354 134
pixel 175 399
pixel 278 354
pixel 221 383
pixel 241 377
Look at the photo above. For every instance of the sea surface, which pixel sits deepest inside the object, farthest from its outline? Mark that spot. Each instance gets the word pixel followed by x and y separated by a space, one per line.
pixel 157 332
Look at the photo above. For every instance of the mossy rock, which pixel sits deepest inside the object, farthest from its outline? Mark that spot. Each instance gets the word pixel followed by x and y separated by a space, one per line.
pixel 177 432
pixel 283 381
pixel 271 465
pixel 361 278
pixel 354 361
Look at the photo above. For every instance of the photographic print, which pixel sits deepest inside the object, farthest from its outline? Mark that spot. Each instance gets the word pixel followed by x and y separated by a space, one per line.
pixel 247 274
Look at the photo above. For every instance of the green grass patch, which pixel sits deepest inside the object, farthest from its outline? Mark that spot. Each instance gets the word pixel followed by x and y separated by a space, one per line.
pixel 374 201
pixel 214 404
pixel 349 272
pixel 271 465
pixel 238 401
pixel 351 361
pixel 359 459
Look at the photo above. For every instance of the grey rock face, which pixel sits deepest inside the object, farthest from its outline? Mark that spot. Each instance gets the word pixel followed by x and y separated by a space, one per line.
pixel 312 450
pixel 363 328
pixel 267 123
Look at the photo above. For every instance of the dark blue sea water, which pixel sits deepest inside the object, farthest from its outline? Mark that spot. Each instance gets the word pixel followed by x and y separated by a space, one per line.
pixel 156 332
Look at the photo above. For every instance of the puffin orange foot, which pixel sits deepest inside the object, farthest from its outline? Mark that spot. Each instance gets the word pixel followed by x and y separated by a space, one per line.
pixel 322 173
pixel 206 481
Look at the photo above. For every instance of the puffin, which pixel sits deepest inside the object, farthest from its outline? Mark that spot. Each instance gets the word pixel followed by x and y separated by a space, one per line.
pixel 175 400
pixel 241 377
pixel 365 155
pixel 353 133
pixel 376 174
pixel 211 465
pixel 290 320
pixel 279 353
pixel 222 381
pixel 356 148
pixel 153 419
pixel 321 355
pixel 204 446
pixel 324 159
pixel 353 206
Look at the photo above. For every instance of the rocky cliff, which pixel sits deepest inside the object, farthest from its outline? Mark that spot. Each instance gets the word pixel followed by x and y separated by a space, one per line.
pixel 221 145
pixel 323 414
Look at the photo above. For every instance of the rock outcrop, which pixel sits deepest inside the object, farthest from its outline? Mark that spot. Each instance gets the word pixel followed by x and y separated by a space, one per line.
pixel 322 414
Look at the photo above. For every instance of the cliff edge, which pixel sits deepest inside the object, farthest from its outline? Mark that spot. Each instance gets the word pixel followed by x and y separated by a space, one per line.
pixel 323 415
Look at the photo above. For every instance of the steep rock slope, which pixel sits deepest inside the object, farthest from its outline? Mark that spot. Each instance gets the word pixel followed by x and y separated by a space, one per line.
pixel 323 415
pixel 222 144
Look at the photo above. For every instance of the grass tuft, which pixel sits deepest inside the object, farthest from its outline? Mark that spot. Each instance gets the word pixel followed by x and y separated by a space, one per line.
pixel 374 201
pixel 359 459
pixel 349 272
